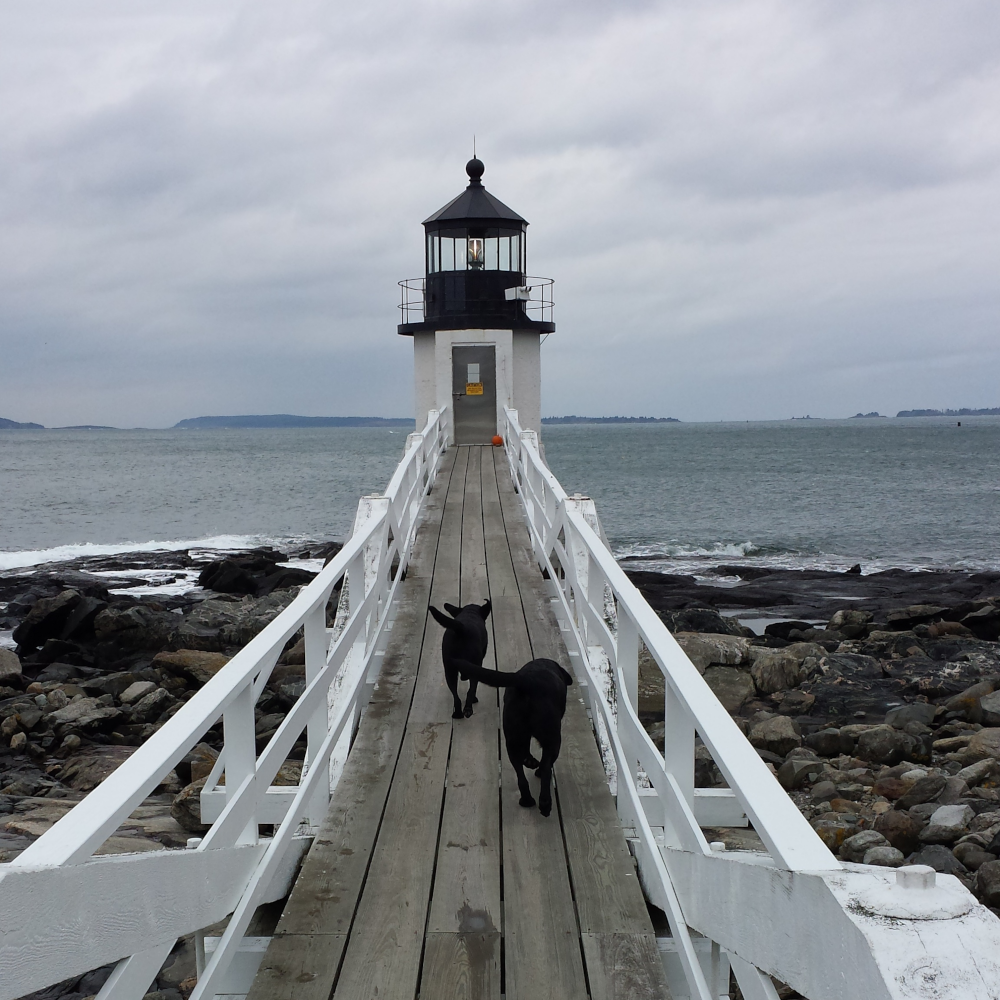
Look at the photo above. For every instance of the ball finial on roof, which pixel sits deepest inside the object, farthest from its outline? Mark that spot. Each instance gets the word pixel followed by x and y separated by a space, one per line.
pixel 474 168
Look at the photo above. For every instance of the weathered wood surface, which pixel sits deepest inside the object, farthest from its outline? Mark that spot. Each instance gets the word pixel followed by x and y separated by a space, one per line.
pixel 427 878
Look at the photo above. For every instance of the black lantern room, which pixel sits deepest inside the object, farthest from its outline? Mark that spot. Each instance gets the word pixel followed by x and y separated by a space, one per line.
pixel 475 270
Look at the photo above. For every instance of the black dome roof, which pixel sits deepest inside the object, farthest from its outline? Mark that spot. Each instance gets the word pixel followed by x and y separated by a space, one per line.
pixel 475 202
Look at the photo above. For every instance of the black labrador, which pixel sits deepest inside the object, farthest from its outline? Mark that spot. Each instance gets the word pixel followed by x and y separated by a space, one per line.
pixel 465 639
pixel 533 705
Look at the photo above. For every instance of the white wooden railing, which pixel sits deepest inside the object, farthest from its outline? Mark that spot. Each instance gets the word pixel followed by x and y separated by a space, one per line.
pixel 64 911
pixel 826 928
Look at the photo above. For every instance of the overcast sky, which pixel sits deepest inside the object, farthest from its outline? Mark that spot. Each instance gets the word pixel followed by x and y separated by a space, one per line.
pixel 751 209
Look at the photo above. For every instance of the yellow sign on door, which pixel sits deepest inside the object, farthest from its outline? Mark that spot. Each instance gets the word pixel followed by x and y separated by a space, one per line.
pixel 473 388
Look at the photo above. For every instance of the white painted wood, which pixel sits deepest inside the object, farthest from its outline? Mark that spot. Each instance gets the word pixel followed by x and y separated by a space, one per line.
pixel 754 984
pixel 133 975
pixel 243 968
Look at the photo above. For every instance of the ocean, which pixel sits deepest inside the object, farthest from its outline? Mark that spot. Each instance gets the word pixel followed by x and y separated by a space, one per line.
pixel 911 493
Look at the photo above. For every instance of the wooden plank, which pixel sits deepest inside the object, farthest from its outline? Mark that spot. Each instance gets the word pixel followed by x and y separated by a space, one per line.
pixel 312 931
pixel 617 932
pixel 461 967
pixel 542 945
pixel 384 952
pixel 299 967
pixel 624 967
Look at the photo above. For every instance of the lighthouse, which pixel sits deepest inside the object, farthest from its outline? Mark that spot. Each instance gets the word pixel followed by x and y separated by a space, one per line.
pixel 477 320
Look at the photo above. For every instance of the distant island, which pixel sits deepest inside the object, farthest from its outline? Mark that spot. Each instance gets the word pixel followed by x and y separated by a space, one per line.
pixel 609 420
pixel 288 420
pixel 13 425
pixel 993 411
pixel 865 415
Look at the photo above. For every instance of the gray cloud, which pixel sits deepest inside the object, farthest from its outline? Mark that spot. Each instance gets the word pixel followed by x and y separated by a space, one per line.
pixel 752 209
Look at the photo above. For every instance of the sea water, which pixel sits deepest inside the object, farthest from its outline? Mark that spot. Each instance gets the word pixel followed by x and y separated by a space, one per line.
pixel 919 492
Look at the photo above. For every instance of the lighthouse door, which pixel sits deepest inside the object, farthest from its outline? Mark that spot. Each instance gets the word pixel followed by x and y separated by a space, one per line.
pixel 474 391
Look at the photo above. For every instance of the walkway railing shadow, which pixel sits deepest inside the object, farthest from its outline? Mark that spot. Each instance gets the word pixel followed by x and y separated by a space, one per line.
pixel 826 928
pixel 64 912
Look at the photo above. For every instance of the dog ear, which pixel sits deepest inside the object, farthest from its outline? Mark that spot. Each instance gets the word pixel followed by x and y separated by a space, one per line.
pixel 452 610
pixel 566 676
pixel 486 609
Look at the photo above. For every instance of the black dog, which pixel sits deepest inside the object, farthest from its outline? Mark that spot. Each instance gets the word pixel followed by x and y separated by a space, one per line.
pixel 533 705
pixel 465 639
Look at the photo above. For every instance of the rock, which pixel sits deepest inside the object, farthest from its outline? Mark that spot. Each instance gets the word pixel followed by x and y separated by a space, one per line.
pixel 775 670
pixel 916 712
pixel 46 619
pixel 56 699
pixel 87 713
pixel 884 857
pixel 855 848
pixel 218 624
pixel 794 702
pixel 833 833
pixel 730 685
pixel 136 628
pixel 18 740
pixel 794 773
pixel 988 883
pixel 940 859
pixel 985 743
pixel 904 619
pixel 968 701
pixel 780 630
pixel 152 706
pixel 826 742
pixel 10 667
pixel 985 623
pixel 128 845
pixel 136 691
pixel 924 789
pixel 86 771
pixel 81 619
pixel 702 620
pixel 954 790
pixel 883 745
pixel 778 735
pixel 296 655
pixel 972 855
pixel 824 791
pixel 990 707
pixel 227 577
pixel 947 824
pixel 977 773
pixel 186 807
pixel 705 650
pixel 900 829
pixel 892 788
pixel 198 665
pixel 852 624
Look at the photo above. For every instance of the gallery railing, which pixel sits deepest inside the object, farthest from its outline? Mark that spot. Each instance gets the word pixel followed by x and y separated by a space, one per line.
pixel 829 929
pixel 64 911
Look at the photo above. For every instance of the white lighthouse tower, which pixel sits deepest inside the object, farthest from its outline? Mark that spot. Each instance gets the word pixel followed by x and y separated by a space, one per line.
pixel 476 319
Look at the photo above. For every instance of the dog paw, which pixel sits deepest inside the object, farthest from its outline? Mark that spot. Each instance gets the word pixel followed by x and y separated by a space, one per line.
pixel 545 807
pixel 531 763
pixel 458 714
pixel 526 801
pixel 468 711
pixel 475 700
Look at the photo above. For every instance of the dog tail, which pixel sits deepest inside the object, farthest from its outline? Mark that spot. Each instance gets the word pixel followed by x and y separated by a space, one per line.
pixel 443 620
pixel 495 678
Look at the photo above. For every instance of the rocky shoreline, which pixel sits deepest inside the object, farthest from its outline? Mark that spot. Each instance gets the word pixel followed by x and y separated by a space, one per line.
pixel 875 699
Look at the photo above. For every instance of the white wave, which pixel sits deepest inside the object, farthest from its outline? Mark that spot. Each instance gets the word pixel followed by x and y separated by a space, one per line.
pixel 680 550
pixel 64 553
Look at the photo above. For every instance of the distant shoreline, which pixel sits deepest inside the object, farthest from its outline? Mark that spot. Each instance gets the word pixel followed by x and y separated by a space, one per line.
pixel 573 419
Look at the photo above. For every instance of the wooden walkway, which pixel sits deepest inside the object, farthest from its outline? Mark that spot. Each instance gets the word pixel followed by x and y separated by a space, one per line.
pixel 427 878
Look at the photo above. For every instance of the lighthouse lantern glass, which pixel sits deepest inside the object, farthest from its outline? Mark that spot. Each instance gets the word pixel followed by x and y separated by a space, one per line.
pixel 475 252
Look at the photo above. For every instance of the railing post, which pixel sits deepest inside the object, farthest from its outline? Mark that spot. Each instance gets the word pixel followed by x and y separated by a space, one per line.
pixel 241 753
pixel 627 649
pixel 678 744
pixel 317 641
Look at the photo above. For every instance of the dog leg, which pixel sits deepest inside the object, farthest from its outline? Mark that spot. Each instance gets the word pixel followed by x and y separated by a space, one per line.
pixel 549 755
pixel 515 754
pixel 451 679
pixel 471 698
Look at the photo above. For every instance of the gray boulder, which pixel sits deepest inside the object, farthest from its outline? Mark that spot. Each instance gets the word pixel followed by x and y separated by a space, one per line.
pixel 883 745
pixel 87 713
pixel 947 824
pixel 150 707
pixel 10 667
pixel 46 619
pixel 940 859
pixel 924 789
pixel 855 848
pixel 708 649
pixel 988 883
pixel 883 857
pixel 916 712
pixel 775 670
pixel 730 685
pixel 778 735
pixel 990 707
